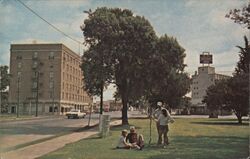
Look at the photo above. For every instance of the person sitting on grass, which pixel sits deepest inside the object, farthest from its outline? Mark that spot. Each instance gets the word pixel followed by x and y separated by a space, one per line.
pixel 122 144
pixel 134 139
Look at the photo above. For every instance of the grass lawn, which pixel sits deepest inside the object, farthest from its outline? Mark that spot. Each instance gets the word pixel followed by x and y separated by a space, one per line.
pixel 189 139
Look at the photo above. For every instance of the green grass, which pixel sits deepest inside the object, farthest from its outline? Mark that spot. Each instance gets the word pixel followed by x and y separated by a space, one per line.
pixel 189 139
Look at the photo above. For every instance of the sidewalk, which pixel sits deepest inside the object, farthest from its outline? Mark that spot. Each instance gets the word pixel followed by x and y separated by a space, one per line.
pixel 40 149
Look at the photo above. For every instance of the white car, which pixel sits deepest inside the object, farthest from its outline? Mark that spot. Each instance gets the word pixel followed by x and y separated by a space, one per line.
pixel 74 113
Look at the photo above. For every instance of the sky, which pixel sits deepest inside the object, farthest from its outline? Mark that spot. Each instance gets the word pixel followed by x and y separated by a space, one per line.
pixel 198 25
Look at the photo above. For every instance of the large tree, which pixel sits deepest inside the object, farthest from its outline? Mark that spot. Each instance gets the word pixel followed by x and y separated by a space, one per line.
pixel 167 81
pixel 233 94
pixel 121 42
pixel 4 83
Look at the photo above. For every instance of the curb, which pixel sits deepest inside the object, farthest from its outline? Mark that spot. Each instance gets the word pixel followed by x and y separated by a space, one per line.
pixel 31 118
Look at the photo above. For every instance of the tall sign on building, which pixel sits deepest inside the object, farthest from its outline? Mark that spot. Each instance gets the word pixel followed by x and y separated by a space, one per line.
pixel 206 58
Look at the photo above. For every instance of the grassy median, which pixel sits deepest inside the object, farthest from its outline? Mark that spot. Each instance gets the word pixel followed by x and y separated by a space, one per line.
pixel 189 139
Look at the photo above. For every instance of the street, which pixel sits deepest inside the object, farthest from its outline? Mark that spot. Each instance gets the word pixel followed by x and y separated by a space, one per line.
pixel 14 133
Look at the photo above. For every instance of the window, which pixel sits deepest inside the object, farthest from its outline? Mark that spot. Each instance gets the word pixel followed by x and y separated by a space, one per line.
pixel 35 55
pixel 34 84
pixel 35 64
pixel 19 57
pixel 50 109
pixel 34 94
pixel 19 74
pixel 51 74
pixel 19 65
pixel 51 84
pixel 51 55
pixel 34 74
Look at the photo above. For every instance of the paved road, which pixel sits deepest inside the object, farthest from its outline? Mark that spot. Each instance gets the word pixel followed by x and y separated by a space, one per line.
pixel 13 133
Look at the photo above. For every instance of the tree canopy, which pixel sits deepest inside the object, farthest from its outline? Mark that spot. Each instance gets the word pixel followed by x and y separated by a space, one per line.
pixel 5 77
pixel 123 49
pixel 240 16
pixel 233 94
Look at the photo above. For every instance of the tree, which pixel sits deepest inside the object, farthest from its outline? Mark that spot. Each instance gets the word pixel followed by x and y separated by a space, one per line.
pixel 237 96
pixel 4 83
pixel 216 96
pixel 5 77
pixel 233 94
pixel 167 82
pixel 243 64
pixel 241 17
pixel 121 43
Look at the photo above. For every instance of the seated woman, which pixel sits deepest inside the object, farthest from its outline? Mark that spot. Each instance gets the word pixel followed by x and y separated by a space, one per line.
pixel 122 144
pixel 134 139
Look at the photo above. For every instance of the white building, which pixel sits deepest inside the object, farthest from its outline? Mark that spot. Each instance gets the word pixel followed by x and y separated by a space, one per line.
pixel 205 77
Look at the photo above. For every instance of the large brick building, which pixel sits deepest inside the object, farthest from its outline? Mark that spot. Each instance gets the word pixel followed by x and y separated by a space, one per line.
pixel 45 78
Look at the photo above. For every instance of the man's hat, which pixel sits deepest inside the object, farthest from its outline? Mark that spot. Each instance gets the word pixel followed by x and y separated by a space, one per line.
pixel 159 104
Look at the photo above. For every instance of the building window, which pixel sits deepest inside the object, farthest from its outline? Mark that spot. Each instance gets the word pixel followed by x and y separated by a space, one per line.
pixel 35 55
pixel 19 74
pixel 50 109
pixel 34 94
pixel 51 74
pixel 35 64
pixel 51 84
pixel 34 84
pixel 19 57
pixel 51 55
pixel 19 65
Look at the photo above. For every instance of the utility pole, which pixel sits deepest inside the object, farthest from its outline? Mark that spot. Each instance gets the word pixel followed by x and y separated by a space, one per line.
pixel 18 96
pixel 53 93
pixel 37 92
pixel 101 99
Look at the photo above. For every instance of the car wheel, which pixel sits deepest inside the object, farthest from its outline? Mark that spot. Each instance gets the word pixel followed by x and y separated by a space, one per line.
pixel 68 117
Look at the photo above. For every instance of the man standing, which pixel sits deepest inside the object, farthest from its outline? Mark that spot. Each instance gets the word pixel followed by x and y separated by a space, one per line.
pixel 157 113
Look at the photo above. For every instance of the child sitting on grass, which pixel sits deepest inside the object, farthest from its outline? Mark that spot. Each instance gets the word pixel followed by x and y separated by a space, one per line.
pixel 122 144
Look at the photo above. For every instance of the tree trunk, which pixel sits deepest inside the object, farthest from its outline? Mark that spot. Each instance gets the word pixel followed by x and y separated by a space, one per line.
pixel 124 110
pixel 239 117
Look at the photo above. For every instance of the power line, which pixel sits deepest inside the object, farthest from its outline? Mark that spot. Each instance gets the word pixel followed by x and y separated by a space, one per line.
pixel 57 29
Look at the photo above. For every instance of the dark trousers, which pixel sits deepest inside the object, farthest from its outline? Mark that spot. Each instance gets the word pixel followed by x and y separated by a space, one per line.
pixel 163 131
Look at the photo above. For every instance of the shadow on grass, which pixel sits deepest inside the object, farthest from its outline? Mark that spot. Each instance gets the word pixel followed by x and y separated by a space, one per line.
pixel 230 147
pixel 221 123
pixel 121 127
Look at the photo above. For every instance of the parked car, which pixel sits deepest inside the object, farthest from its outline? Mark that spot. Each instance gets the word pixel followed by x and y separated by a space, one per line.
pixel 74 113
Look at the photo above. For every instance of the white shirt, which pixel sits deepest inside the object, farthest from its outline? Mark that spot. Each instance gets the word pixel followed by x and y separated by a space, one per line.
pixel 157 113
pixel 121 142
pixel 165 120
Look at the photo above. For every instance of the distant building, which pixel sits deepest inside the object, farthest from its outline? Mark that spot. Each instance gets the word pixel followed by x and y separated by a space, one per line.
pixel 46 77
pixel 205 77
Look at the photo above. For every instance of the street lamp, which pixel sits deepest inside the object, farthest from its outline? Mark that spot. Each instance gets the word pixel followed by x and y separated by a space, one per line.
pixel 18 95
pixel 37 92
